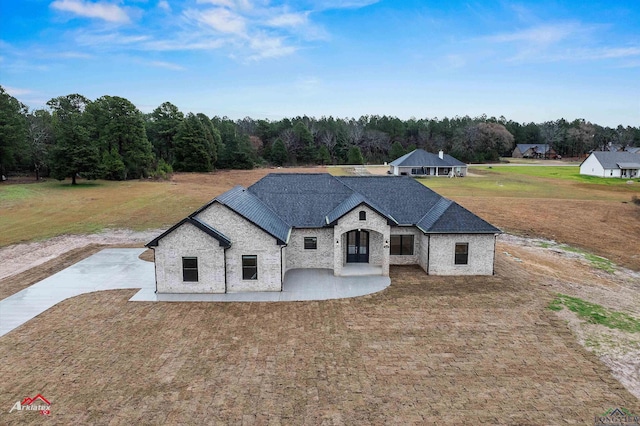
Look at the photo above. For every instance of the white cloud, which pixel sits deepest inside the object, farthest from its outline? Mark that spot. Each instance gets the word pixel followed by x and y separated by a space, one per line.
pixel 289 20
pixel 183 44
pixel 164 5
pixel 167 65
pixel 219 19
pixel 341 4
pixel 106 11
pixel 540 35
pixel 269 47
pixel 15 91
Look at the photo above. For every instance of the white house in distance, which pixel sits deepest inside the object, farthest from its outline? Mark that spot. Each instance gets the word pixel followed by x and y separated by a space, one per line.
pixel 621 164
pixel 247 239
pixel 422 163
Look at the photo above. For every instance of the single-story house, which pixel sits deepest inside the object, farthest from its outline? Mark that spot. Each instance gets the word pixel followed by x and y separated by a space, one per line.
pixel 422 163
pixel 248 238
pixel 527 150
pixel 621 164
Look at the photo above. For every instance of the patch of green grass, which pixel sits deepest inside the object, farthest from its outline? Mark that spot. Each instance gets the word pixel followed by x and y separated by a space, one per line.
pixel 552 172
pixel 596 261
pixel 544 244
pixel 15 192
pixel 600 263
pixel 596 314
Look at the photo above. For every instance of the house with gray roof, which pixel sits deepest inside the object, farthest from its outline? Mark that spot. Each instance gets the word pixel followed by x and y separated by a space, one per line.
pixel 621 164
pixel 247 239
pixel 528 150
pixel 422 163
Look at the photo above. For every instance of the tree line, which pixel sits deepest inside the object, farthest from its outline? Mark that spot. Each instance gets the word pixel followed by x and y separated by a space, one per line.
pixel 110 138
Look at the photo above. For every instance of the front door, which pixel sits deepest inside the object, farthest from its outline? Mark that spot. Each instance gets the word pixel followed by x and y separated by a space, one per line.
pixel 358 247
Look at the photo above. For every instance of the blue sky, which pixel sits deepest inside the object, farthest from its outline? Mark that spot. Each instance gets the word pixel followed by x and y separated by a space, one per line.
pixel 528 61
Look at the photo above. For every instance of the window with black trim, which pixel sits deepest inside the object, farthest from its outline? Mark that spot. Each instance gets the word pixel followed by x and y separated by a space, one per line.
pixel 462 254
pixel 190 269
pixel 401 245
pixel 250 267
pixel 310 243
pixel 363 215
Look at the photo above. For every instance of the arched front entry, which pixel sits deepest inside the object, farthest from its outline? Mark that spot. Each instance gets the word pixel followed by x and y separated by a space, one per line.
pixel 358 246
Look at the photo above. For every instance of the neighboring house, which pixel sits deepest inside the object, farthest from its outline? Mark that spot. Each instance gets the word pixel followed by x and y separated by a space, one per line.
pixel 527 150
pixel 633 149
pixel 422 163
pixel 611 164
pixel 247 239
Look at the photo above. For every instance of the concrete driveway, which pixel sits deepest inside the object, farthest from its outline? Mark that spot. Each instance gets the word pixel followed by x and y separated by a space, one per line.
pixel 113 269
pixel 108 269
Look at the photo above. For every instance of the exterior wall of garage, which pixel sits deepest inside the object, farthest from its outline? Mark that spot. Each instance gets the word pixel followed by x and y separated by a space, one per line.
pixel 189 241
pixel 299 257
pixel 246 239
pixel 442 254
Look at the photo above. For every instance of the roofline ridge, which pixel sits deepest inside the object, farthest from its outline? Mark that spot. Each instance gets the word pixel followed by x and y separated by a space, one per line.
pixel 433 207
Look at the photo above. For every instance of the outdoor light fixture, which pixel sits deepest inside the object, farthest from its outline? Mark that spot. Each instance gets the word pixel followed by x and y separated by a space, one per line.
pixel 337 242
pixel 386 244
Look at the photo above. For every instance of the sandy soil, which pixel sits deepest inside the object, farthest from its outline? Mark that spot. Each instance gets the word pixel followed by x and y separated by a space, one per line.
pixel 21 257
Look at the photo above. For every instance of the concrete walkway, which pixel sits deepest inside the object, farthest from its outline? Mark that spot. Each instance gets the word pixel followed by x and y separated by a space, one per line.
pixel 113 269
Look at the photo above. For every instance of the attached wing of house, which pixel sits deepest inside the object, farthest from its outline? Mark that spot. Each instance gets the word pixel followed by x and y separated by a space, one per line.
pixel 247 238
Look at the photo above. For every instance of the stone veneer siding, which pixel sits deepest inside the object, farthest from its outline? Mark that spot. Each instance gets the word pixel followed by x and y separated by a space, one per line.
pixel 189 241
pixel 378 255
pixel 321 257
pixel 246 239
pixel 442 254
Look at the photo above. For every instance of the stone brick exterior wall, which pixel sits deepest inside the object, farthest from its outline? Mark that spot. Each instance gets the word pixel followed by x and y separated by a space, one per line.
pixel 246 239
pixel 378 234
pixel 442 255
pixel 423 258
pixel 298 257
pixel 189 241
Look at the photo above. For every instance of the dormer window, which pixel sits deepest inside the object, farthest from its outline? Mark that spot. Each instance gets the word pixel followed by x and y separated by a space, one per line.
pixel 363 215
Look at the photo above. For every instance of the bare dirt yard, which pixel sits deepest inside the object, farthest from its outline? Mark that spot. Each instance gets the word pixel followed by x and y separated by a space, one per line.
pixel 426 350
pixel 439 350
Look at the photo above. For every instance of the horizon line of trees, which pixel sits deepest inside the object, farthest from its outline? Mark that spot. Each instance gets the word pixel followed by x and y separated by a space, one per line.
pixel 110 138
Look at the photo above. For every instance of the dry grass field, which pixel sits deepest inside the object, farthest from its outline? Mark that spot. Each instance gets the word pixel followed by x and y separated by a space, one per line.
pixel 428 350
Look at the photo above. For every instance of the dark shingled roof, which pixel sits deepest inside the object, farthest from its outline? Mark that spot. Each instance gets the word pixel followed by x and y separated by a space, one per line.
pixel 247 205
pixel 422 158
pixel 222 239
pixel 456 219
pixel 611 160
pixel 281 201
pixel 303 200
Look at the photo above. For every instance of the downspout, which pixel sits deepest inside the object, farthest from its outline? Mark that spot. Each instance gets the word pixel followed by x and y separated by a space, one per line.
pixel 224 255
pixel 428 252
pixel 281 269
pixel 495 242
pixel 155 270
